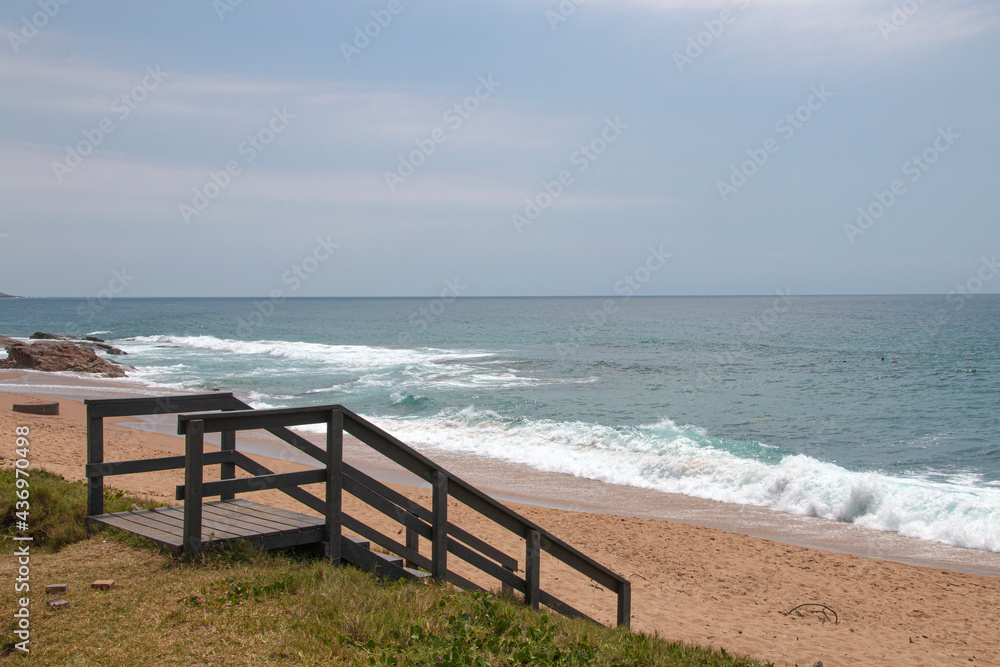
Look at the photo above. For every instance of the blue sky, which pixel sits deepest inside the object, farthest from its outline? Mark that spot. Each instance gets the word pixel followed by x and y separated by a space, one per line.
pixel 526 147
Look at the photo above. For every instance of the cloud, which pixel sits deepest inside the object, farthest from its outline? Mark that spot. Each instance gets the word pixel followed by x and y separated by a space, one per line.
pixel 804 33
pixel 380 116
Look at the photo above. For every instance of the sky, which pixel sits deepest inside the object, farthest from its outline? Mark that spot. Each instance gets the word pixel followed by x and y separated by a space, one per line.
pixel 515 148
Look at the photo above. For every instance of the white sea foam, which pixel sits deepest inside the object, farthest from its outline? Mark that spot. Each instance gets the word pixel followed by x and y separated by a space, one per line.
pixel 345 357
pixel 411 370
pixel 675 459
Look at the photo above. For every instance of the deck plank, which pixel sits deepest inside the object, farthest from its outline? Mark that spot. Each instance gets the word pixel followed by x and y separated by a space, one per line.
pixel 174 518
pixel 277 512
pixel 160 537
pixel 222 521
pixel 263 515
pixel 244 522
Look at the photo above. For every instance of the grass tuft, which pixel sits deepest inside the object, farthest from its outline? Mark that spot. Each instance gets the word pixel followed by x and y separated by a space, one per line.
pixel 56 508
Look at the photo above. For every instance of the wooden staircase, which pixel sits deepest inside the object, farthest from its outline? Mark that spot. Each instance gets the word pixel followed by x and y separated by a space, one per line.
pixel 199 523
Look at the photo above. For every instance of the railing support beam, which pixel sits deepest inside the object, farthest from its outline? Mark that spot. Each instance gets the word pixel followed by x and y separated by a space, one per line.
pixel 624 604
pixel 334 483
pixel 532 566
pixel 228 471
pixel 439 526
pixel 412 542
pixel 194 469
pixel 95 455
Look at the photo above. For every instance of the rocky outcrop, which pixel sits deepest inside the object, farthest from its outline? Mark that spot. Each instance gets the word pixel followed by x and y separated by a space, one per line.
pixel 89 342
pixel 58 355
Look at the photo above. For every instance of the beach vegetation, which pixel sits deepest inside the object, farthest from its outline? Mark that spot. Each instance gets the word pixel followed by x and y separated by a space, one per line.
pixel 239 605
pixel 55 510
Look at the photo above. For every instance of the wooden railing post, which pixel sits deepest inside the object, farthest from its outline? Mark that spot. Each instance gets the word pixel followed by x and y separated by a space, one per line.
pixel 412 542
pixel 95 454
pixel 334 483
pixel 228 470
pixel 624 604
pixel 532 565
pixel 439 526
pixel 506 588
pixel 194 453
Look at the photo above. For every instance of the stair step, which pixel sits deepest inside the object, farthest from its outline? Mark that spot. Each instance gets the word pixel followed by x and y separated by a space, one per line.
pixel 364 544
pixel 418 574
pixel 395 560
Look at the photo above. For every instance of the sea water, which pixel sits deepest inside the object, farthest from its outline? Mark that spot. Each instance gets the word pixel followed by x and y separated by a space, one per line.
pixel 881 411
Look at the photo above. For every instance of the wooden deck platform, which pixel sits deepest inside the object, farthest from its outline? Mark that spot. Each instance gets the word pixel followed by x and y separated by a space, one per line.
pixel 222 521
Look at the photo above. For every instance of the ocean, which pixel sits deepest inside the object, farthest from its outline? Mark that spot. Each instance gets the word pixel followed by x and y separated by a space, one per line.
pixel 880 411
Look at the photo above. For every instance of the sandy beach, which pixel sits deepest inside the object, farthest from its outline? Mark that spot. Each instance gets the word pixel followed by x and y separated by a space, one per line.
pixel 692 583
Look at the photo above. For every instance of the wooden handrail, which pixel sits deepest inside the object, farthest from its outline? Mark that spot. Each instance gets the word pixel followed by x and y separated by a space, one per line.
pixel 487 506
pixel 100 408
pixel 419 522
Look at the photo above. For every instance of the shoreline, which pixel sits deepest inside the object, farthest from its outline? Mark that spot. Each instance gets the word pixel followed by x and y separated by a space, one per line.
pixel 689 583
pixel 524 485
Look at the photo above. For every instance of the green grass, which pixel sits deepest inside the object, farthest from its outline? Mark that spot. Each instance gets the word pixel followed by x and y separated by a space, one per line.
pixel 57 509
pixel 241 606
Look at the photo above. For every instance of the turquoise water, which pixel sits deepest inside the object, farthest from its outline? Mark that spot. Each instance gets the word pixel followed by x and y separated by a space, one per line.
pixel 792 403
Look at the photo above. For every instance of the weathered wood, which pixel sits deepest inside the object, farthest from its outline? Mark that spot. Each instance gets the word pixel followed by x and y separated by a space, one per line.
pixel 223 521
pixel 439 526
pixel 219 529
pixel 290 539
pixel 392 496
pixel 36 408
pixel 257 483
pixel 288 520
pixel 334 483
pixel 127 407
pixel 462 582
pixel 469 495
pixel 226 520
pixel 387 508
pixel 135 466
pixel 291 437
pixel 458 533
pixel 164 538
pixel 301 495
pixel 243 523
pixel 389 447
pixel 227 443
pixel 563 608
pixel 193 479
pixel 172 521
pixel 386 542
pixel 371 562
pixel 532 565
pixel 502 574
pixel 413 544
pixel 95 457
pixel 243 420
pixel 624 604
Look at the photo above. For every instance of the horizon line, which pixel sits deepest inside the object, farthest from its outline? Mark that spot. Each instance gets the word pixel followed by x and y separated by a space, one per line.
pixel 522 296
